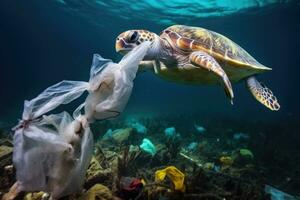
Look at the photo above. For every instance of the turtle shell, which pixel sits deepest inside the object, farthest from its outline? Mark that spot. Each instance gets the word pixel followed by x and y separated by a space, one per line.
pixel 188 38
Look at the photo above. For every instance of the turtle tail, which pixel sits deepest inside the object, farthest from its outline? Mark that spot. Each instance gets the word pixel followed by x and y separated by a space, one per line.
pixel 262 94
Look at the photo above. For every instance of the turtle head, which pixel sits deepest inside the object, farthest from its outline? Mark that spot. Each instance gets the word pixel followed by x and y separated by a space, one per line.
pixel 127 40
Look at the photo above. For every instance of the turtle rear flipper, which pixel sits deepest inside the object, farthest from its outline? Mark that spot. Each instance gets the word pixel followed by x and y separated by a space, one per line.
pixel 262 94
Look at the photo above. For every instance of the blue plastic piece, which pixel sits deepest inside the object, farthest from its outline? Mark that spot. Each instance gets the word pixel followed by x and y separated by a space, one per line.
pixel 277 194
pixel 148 147
pixel 238 136
pixel 192 146
pixel 200 129
pixel 170 132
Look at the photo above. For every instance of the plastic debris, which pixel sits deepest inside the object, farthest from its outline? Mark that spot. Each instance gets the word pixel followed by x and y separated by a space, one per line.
pixel 193 160
pixel 130 187
pixel 109 88
pixel 246 153
pixel 170 131
pixel 52 160
pixel 209 166
pixel 140 128
pixel 217 168
pixel 174 174
pixel 148 146
pixel 121 135
pixel 277 194
pixel 239 136
pixel 52 153
pixel 200 129
pixel 107 134
pixel 226 161
pixel 110 84
pixel 192 146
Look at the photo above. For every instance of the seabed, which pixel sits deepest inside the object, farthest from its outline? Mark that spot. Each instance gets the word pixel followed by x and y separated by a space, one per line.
pixel 187 160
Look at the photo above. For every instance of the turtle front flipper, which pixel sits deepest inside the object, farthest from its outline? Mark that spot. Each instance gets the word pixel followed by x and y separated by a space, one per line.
pixel 262 94
pixel 205 61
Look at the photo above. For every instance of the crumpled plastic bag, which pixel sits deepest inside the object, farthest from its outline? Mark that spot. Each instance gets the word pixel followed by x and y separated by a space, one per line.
pixel 111 84
pixel 52 154
pixel 174 174
pixel 109 88
pixel 63 92
pixel 148 146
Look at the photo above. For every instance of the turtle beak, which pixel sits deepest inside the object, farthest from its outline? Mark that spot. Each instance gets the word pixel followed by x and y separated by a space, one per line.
pixel 119 45
pixel 123 47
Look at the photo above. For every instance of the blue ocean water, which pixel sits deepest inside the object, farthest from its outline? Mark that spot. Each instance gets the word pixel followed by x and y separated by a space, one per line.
pixel 44 42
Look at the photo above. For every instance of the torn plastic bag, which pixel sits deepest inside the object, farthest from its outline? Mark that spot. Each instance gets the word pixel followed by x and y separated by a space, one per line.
pixel 109 87
pixel 111 84
pixel 52 154
pixel 61 93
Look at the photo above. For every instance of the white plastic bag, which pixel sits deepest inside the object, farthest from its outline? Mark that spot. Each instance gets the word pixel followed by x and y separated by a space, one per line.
pixel 52 153
pixel 111 84
pixel 109 87
pixel 53 159
pixel 61 93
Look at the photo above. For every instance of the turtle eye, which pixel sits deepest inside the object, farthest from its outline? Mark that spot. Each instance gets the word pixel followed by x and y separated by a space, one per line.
pixel 133 37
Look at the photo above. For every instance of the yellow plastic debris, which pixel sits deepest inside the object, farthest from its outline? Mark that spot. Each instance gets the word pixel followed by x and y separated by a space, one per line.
pixel 226 160
pixel 174 174
pixel 143 182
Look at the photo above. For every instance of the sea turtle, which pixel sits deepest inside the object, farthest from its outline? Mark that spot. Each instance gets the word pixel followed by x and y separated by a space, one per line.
pixel 195 55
